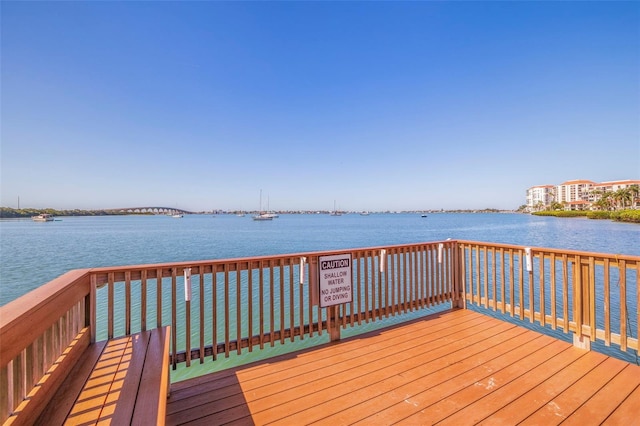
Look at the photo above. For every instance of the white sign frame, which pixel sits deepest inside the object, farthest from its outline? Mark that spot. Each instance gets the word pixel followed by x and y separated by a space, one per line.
pixel 335 284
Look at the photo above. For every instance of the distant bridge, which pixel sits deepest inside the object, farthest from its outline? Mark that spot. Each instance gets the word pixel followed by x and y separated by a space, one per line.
pixel 153 210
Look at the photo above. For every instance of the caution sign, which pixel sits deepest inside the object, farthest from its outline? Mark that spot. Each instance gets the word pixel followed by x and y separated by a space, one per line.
pixel 335 279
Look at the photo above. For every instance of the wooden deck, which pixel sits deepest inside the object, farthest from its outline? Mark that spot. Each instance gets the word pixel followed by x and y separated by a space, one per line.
pixel 458 367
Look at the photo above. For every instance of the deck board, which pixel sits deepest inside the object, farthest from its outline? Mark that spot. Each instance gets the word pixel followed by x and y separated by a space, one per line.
pixel 457 367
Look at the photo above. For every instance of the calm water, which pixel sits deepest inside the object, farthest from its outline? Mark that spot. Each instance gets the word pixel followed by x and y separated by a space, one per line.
pixel 35 253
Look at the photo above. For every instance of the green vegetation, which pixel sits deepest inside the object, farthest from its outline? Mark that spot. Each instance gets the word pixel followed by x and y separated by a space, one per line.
pixel 561 213
pixel 599 215
pixel 9 213
pixel 632 216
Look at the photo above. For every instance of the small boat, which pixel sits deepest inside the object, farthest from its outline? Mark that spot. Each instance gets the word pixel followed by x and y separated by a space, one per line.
pixel 335 212
pixel 177 215
pixel 262 215
pixel 43 217
pixel 365 213
pixel 424 215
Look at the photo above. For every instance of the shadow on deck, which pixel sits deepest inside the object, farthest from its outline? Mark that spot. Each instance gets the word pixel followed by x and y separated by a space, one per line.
pixel 456 367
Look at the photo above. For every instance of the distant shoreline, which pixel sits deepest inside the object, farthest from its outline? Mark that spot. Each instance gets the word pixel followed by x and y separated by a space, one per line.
pixel 11 213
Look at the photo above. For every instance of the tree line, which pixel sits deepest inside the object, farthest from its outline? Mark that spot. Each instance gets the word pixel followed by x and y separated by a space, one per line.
pixel 10 213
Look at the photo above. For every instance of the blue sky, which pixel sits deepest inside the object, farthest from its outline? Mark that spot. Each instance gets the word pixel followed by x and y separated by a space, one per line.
pixel 376 105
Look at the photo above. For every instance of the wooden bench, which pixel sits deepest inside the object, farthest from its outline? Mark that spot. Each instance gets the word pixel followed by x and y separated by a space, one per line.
pixel 120 381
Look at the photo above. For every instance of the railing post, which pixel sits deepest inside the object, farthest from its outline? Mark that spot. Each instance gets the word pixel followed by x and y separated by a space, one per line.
pixel 460 300
pixel 334 324
pixel 90 309
pixel 582 304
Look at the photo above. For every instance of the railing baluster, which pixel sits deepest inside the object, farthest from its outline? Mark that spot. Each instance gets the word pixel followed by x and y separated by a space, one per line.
pixel 319 319
pixel 272 305
pixel 577 294
pixel 494 276
pixel 110 303
pixel 532 310
pixel 542 292
pixel 512 285
pixel 261 278
pixel 214 310
pixel 485 276
pixel 227 304
pixel 412 278
pixel 440 277
pixel 282 300
pixel 238 309
pixel 430 276
pixel 622 268
pixel 420 275
pixel 502 281
pixel 174 317
pixel 362 263
pixel 371 282
pixel 187 323
pixel 127 302
pixel 11 400
pixel 468 255
pixel 301 298
pixel 312 269
pixel 391 271
pixel 554 313
pixel 448 261
pixel 607 303
pixel 358 264
pixel 355 288
pixel 375 258
pixel 292 288
pixel 143 300
pixel 402 281
pixel 478 274
pixel 250 302
pixel 159 306
pixel 565 292
pixel 521 283
pixel 6 403
pixel 201 303
pixel 592 298
pixel 21 376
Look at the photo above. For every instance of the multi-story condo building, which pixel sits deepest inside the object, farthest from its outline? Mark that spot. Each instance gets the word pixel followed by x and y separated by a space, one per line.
pixel 539 197
pixel 577 194
pixel 574 194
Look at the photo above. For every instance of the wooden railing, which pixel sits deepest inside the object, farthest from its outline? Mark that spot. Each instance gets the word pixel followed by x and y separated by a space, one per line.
pixel 242 305
pixel 41 333
pixel 232 305
pixel 593 295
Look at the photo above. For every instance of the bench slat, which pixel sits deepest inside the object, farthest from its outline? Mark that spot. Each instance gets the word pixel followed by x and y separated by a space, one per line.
pixel 129 391
pixel 154 384
pixel 60 405
pixel 93 399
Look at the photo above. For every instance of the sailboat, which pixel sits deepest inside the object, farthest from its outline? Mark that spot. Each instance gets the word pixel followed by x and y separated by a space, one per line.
pixel 335 212
pixel 262 215
pixel 269 212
